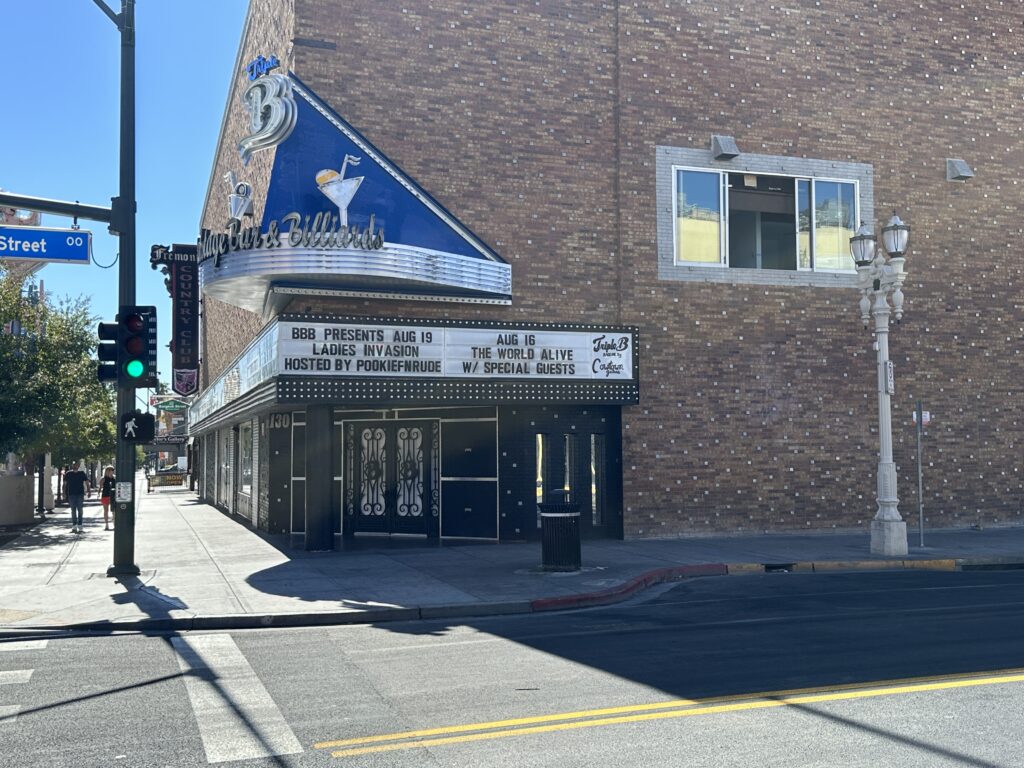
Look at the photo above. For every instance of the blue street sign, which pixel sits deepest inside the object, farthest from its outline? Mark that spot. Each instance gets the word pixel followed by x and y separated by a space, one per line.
pixel 69 246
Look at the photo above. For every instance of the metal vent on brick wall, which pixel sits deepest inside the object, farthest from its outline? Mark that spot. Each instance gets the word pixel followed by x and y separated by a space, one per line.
pixel 958 170
pixel 724 147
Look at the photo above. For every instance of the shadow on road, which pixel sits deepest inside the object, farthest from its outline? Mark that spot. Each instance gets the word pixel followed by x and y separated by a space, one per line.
pixel 735 636
pixel 77 699
pixel 883 734
pixel 769 637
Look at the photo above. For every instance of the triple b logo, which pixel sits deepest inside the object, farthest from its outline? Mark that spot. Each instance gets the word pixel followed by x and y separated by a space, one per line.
pixel 272 112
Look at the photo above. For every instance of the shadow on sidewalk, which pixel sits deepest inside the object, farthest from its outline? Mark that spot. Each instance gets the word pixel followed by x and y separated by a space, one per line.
pixel 138 588
pixel 372 572
pixel 36 535
pixel 53 529
pixel 147 599
pixel 9 534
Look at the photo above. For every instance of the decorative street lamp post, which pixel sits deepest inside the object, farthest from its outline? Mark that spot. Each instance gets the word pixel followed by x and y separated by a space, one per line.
pixel 879 280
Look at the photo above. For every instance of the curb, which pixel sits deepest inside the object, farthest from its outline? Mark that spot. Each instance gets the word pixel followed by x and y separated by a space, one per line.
pixel 607 596
pixel 234 621
pixel 623 591
pixel 936 564
pixel 338 618
pixel 945 564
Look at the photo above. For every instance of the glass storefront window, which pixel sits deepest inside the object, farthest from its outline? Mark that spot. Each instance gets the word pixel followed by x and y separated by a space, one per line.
pixel 569 441
pixel 540 442
pixel 597 479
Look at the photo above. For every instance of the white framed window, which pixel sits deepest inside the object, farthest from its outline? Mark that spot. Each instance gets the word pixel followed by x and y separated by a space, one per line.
pixel 762 221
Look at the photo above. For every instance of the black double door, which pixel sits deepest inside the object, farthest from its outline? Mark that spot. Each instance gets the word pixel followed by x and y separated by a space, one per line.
pixel 391 477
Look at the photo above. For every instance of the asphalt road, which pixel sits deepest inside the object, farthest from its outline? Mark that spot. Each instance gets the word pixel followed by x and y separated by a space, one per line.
pixel 862 669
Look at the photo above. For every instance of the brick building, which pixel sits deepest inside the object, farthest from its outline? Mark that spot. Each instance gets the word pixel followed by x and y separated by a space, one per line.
pixel 549 171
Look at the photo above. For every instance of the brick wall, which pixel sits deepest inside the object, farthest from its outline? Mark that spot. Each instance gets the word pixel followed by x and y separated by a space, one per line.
pixel 461 93
pixel 538 127
pixel 758 403
pixel 226 329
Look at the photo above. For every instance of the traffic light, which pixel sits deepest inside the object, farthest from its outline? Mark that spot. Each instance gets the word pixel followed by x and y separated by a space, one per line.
pixel 136 347
pixel 107 352
pixel 138 427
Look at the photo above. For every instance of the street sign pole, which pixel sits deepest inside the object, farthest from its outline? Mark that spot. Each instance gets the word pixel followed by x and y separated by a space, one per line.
pixel 123 220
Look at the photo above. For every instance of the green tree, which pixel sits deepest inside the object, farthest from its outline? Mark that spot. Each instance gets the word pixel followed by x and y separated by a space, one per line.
pixel 50 398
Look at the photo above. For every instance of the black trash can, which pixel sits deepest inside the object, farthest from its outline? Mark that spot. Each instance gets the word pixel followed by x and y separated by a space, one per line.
pixel 560 534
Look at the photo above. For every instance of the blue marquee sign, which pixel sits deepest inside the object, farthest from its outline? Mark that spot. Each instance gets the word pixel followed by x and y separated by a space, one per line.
pixel 404 210
pixel 339 218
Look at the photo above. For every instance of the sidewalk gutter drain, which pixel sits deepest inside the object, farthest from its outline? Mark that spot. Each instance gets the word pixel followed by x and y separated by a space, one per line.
pixel 778 567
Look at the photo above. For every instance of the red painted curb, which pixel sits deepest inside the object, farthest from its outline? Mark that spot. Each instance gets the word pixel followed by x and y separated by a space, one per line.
pixel 621 592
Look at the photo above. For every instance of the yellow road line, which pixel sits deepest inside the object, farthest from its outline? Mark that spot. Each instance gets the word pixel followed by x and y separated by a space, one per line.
pixel 703 707
pixel 674 704
pixel 506 723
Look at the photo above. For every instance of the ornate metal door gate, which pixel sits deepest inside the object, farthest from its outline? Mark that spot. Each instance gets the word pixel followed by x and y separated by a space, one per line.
pixel 391 477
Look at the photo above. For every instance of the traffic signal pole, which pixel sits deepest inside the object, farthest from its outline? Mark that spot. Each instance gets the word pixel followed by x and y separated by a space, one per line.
pixel 124 223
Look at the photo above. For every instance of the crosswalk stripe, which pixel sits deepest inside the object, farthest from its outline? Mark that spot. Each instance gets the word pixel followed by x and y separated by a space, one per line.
pixel 24 645
pixel 15 676
pixel 8 714
pixel 237 718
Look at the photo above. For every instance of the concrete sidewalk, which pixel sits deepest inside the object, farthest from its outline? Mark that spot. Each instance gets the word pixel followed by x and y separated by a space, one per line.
pixel 203 570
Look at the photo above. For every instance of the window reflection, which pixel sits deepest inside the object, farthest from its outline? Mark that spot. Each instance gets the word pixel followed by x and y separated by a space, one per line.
pixel 540 442
pixel 569 467
pixel 763 221
pixel 803 224
pixel 597 479
pixel 245 462
pixel 834 224
pixel 698 217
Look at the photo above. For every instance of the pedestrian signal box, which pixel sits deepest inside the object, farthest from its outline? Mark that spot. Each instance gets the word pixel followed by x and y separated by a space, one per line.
pixel 136 347
pixel 138 427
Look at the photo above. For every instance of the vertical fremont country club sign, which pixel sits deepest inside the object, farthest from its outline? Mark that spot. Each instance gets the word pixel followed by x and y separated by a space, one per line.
pixel 179 263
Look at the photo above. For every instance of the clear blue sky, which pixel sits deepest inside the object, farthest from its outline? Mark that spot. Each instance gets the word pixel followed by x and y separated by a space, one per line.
pixel 59 131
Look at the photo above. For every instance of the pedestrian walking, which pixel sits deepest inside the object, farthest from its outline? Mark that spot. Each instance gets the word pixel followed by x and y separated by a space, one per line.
pixel 107 495
pixel 76 486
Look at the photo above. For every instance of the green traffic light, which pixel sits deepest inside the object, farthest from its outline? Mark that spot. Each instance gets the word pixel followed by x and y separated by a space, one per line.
pixel 134 368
